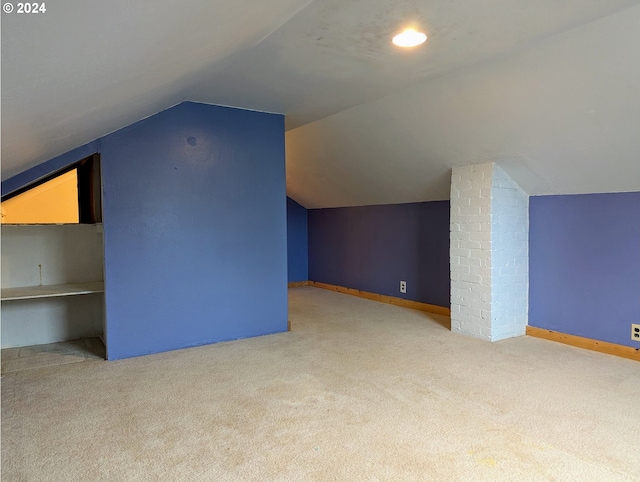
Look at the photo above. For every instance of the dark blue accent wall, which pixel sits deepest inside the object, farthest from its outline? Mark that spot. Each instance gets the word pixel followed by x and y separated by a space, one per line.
pixel 584 265
pixel 297 246
pixel 194 229
pixel 372 248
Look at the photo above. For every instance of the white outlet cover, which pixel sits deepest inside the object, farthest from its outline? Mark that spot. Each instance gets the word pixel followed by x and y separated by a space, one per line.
pixel 635 331
pixel 403 286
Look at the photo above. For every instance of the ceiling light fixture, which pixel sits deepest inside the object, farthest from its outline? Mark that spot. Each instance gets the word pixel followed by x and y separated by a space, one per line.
pixel 409 38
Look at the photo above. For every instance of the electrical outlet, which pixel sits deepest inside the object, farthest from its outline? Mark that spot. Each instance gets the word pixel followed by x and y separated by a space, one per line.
pixel 635 331
pixel 403 287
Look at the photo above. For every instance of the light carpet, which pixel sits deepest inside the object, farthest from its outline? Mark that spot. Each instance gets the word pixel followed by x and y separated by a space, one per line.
pixel 358 390
pixel 51 354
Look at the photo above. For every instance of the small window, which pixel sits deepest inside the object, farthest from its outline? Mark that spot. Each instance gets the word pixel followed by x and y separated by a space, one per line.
pixel 54 202
pixel 71 196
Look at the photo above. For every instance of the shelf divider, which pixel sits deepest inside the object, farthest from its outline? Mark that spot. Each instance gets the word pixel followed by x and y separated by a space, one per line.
pixel 51 291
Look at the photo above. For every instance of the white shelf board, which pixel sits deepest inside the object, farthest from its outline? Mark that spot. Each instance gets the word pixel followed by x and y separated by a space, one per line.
pixel 52 291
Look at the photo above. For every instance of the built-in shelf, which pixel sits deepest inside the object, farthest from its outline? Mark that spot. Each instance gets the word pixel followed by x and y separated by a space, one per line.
pixel 52 291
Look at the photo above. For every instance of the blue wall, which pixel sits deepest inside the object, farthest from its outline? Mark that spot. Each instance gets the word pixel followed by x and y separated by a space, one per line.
pixel 297 245
pixel 372 248
pixel 195 227
pixel 584 265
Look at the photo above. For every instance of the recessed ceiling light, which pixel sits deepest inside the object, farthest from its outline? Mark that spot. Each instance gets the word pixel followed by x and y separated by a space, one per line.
pixel 409 38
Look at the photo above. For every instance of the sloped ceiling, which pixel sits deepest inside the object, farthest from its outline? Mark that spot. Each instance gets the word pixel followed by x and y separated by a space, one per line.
pixel 86 68
pixel 561 117
pixel 549 89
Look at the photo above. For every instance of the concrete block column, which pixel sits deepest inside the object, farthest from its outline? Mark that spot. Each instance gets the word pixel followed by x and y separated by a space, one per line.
pixel 489 253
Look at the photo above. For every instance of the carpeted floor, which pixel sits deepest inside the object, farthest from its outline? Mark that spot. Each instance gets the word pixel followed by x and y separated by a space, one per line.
pixel 52 354
pixel 358 390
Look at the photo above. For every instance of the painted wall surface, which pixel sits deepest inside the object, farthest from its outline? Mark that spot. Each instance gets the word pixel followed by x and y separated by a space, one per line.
pixel 297 242
pixel 584 265
pixel 50 320
pixel 194 212
pixel 55 201
pixel 372 248
pixel 50 255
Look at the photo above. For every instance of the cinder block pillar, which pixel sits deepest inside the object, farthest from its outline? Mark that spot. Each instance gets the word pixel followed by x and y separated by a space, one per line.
pixel 489 253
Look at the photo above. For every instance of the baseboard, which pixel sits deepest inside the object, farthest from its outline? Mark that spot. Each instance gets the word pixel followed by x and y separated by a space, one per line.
pixel 586 343
pixel 298 284
pixel 392 300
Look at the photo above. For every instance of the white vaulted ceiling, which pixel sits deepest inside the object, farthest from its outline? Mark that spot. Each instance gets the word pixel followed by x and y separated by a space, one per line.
pixel 549 89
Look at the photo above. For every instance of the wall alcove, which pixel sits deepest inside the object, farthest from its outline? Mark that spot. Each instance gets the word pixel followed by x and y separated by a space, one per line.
pixel 53 259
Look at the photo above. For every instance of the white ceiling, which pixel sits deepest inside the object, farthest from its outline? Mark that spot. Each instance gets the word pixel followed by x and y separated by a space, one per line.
pixel 549 89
